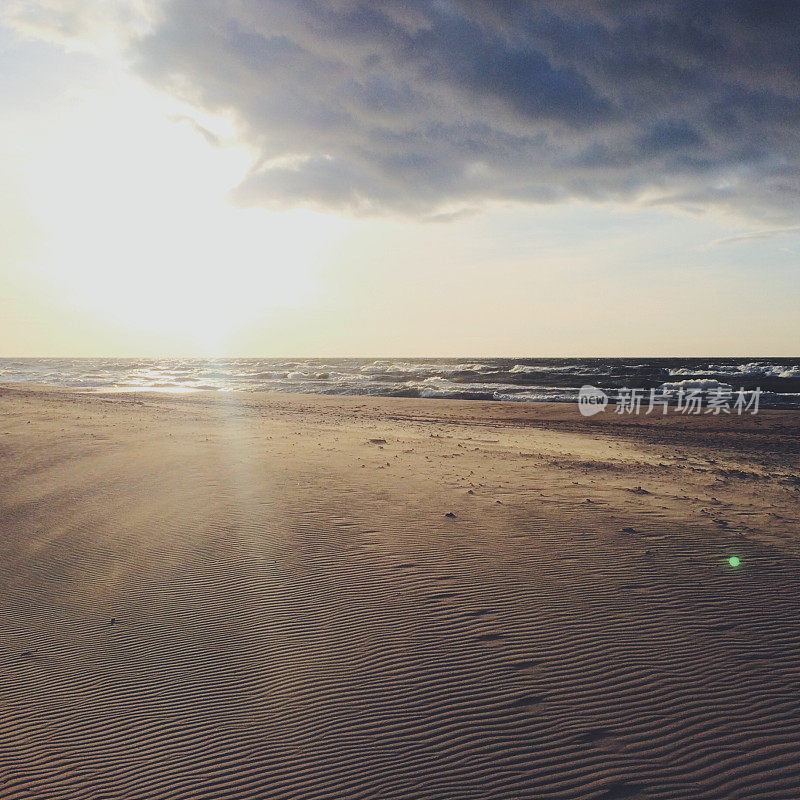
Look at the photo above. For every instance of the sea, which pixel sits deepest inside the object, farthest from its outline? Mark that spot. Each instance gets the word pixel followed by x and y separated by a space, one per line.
pixel 500 379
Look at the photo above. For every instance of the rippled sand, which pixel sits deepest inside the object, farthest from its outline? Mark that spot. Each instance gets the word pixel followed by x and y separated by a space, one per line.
pixel 263 596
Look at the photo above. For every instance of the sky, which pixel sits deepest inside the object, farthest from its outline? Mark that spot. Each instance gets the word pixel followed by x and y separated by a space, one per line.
pixel 386 178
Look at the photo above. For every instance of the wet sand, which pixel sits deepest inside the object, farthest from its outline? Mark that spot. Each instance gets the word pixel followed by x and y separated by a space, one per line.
pixel 272 596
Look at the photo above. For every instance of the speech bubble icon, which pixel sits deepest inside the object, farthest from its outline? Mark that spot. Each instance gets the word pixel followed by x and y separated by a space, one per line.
pixel 591 400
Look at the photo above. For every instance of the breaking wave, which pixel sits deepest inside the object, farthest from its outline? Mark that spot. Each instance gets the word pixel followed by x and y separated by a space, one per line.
pixel 491 379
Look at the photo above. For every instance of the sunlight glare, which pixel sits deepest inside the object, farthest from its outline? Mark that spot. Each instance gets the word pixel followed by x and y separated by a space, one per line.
pixel 140 229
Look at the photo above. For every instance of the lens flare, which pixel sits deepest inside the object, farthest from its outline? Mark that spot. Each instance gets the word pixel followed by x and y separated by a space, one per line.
pixel 734 561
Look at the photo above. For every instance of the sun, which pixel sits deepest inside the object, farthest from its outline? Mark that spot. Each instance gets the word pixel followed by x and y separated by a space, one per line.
pixel 139 228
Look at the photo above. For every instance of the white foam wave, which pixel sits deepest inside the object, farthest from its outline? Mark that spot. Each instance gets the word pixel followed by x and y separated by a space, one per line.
pixel 707 385
pixel 753 369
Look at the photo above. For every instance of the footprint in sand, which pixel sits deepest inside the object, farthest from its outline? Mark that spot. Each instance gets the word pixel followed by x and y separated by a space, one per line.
pixel 489 637
pixel 528 667
pixel 621 790
pixel 721 627
pixel 602 738
pixel 528 702
pixel 442 596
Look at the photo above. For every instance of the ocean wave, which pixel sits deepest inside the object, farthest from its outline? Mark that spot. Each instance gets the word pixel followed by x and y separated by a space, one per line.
pixel 539 369
pixel 707 385
pixel 754 369
pixel 504 380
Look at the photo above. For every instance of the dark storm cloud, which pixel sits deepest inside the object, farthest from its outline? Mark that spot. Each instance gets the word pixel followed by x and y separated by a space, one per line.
pixel 423 105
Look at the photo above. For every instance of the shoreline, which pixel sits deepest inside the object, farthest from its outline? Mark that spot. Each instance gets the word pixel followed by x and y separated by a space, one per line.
pixel 492 379
pixel 736 429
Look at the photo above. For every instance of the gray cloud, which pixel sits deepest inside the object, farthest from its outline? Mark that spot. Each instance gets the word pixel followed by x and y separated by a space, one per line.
pixel 427 106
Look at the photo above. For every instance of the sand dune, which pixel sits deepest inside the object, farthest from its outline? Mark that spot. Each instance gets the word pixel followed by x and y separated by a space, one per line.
pixel 295 616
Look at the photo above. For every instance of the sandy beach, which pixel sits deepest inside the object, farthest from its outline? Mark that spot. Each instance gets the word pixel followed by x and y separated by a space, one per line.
pixel 285 596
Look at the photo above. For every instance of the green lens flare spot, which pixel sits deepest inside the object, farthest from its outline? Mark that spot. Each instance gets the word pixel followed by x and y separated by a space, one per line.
pixel 734 561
